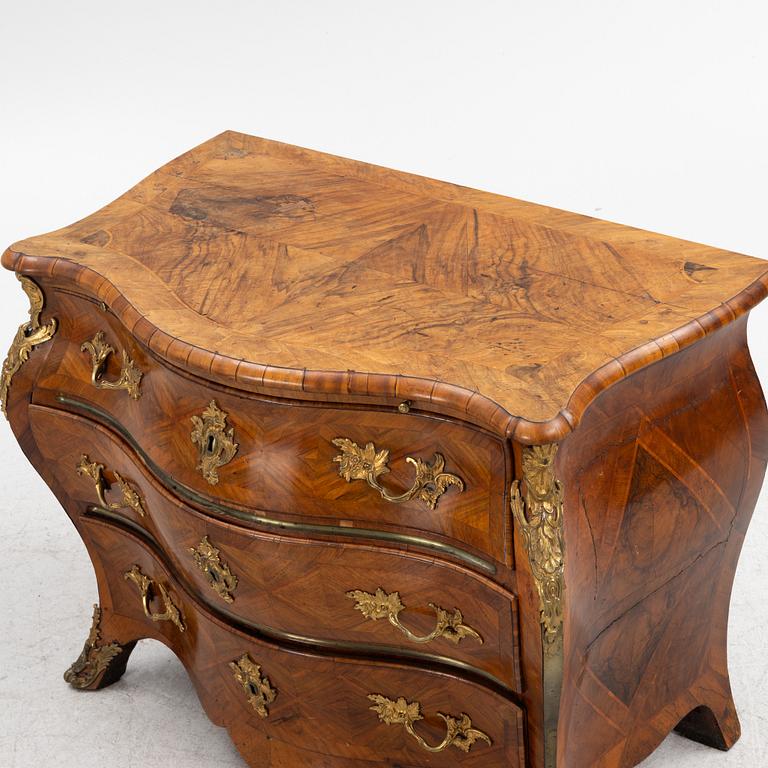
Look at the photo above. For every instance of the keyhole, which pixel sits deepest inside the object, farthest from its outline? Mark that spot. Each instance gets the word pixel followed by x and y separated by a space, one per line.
pixel 211 446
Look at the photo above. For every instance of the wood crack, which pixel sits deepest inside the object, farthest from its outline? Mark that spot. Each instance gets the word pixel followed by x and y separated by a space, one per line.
pixel 685 568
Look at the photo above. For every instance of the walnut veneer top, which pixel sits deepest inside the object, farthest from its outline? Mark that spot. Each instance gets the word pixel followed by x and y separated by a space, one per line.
pixel 295 271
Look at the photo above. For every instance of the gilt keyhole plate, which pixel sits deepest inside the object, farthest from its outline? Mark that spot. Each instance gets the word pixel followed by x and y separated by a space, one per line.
pixel 214 440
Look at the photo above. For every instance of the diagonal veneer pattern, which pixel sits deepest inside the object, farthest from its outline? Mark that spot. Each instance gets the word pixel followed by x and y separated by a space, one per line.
pixel 343 390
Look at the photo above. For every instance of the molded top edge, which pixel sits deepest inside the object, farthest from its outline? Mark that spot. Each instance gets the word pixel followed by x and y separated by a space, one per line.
pixel 290 272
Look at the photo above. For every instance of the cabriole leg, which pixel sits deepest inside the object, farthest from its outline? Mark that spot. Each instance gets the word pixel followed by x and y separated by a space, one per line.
pixel 101 662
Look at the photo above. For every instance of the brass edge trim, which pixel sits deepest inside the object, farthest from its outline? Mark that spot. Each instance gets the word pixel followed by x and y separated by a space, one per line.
pixel 277 636
pixel 552 687
pixel 192 496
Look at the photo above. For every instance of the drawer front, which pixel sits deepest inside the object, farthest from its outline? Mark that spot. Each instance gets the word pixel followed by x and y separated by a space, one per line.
pixel 285 707
pixel 341 466
pixel 376 599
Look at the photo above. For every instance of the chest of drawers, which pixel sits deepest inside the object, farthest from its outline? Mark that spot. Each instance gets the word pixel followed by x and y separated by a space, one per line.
pixel 405 473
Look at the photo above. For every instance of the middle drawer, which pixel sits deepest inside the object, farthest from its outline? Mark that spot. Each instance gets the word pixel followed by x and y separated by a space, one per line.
pixel 367 598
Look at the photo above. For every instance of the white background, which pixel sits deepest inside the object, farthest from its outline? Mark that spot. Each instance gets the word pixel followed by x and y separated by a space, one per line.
pixel 653 114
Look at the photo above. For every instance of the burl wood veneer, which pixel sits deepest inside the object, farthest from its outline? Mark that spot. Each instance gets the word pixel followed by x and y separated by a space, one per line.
pixel 406 474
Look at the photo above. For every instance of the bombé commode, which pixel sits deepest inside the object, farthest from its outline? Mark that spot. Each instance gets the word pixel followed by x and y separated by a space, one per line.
pixel 404 473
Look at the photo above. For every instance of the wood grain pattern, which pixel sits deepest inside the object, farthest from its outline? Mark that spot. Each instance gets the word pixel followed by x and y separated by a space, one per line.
pixel 292 586
pixel 314 297
pixel 284 465
pixel 659 491
pixel 291 271
pixel 321 713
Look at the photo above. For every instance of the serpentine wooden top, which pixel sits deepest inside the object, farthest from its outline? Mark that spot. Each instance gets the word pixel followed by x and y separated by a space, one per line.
pixel 293 272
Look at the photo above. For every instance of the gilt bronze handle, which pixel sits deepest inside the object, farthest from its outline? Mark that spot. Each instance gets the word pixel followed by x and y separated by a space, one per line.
pixel 130 498
pixel 431 482
pixel 383 605
pixel 460 732
pixel 147 588
pixel 130 375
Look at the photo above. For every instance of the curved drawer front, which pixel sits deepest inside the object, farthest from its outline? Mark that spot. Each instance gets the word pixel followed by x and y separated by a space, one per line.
pixel 292 708
pixel 337 465
pixel 374 598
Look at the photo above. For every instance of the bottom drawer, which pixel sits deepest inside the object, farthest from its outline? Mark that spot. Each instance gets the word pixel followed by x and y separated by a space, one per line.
pixel 285 707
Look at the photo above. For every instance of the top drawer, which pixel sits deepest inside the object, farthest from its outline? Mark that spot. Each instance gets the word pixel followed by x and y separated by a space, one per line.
pixel 341 466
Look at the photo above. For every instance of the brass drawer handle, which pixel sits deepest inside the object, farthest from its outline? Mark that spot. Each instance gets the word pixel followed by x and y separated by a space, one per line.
pixel 130 497
pixel 216 444
pixel 146 587
pixel 460 732
pixel 130 375
pixel 257 687
pixel 220 577
pixel 383 605
pixel 356 463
